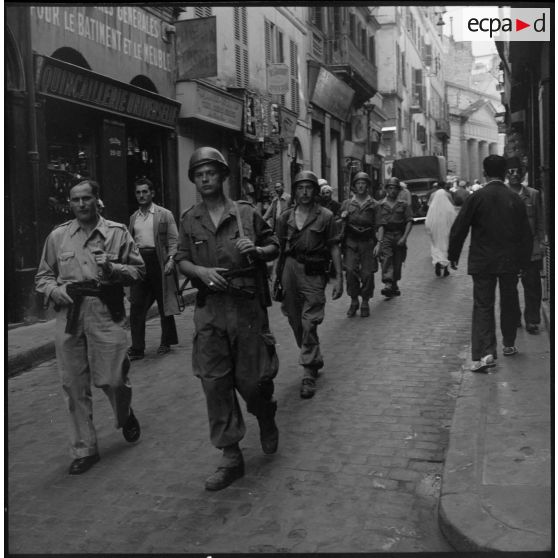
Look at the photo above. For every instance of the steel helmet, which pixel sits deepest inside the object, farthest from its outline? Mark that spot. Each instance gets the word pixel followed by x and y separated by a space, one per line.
pixel 361 176
pixel 306 175
pixel 393 181
pixel 204 155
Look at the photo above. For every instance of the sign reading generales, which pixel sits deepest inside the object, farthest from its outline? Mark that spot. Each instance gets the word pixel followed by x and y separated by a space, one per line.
pixel 126 30
pixel 66 81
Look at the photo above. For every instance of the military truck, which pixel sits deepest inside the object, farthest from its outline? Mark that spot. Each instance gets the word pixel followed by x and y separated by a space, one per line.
pixel 420 174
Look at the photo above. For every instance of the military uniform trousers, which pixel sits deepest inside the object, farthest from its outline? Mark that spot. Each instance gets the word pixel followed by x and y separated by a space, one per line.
pixel 392 257
pixel 532 291
pixel 360 266
pixel 303 305
pixel 142 296
pixel 233 350
pixel 483 333
pixel 98 352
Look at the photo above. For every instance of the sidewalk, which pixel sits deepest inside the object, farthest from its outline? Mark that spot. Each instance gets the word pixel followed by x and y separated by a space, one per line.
pixel 496 492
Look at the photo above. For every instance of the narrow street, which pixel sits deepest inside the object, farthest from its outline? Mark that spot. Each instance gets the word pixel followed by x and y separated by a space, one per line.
pixel 358 467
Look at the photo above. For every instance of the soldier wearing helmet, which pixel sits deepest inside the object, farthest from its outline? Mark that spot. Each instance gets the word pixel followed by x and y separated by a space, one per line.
pixel 359 238
pixel 308 238
pixel 222 246
pixel 394 221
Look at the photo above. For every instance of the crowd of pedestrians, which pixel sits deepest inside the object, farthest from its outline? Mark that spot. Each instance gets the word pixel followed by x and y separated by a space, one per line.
pixel 225 248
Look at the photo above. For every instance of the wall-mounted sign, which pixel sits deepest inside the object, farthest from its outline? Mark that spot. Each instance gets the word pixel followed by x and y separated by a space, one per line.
pixel 201 102
pixel 196 48
pixel 332 95
pixel 288 122
pixel 277 79
pixel 119 41
pixel 78 85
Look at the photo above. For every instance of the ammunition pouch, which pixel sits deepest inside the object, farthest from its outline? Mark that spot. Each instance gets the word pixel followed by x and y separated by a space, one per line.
pixel 360 233
pixel 111 295
pixel 314 264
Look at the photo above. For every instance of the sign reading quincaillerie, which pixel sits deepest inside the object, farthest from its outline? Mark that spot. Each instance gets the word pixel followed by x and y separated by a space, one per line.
pixel 72 83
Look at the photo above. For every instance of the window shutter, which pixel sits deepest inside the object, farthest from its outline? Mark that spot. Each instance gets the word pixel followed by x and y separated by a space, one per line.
pixel 267 40
pixel 295 97
pixel 202 11
pixel 241 46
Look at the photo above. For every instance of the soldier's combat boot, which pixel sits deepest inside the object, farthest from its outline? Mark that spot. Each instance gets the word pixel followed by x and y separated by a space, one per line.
pixel 231 469
pixel 308 388
pixel 364 309
pixel 269 433
pixel 351 312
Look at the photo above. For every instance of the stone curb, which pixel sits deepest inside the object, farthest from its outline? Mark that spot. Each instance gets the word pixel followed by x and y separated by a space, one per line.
pixel 465 519
pixel 28 358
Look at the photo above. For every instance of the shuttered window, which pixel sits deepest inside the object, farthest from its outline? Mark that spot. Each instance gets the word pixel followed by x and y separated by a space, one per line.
pixel 274 47
pixel 241 46
pixel 202 11
pixel 293 69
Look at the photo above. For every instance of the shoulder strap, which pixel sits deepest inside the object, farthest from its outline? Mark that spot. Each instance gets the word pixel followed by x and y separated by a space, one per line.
pixel 238 221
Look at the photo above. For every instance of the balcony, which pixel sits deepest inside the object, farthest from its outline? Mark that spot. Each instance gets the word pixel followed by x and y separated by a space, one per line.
pixel 442 129
pixel 350 64
pixel 418 100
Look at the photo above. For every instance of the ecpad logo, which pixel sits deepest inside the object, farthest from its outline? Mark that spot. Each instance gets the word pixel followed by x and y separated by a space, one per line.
pixel 490 23
pixel 494 25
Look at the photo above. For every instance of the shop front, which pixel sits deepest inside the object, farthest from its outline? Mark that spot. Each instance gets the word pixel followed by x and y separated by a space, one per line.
pixel 95 102
pixel 92 126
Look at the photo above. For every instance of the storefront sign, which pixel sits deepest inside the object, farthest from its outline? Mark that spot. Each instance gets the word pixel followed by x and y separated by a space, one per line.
pixel 121 41
pixel 255 125
pixel 196 48
pixel 277 79
pixel 72 83
pixel 203 103
pixel 332 95
pixel 288 122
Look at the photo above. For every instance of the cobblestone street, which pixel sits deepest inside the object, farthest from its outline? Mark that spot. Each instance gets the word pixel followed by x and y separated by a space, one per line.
pixel 358 468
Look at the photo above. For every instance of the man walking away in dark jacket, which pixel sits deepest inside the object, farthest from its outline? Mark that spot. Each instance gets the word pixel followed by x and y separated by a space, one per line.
pixel 501 244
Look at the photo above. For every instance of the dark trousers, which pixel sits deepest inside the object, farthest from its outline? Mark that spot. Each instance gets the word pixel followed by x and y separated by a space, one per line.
pixel 483 334
pixel 142 296
pixel 392 257
pixel 532 291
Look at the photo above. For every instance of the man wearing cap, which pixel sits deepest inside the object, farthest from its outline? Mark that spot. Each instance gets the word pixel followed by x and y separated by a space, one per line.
pixel 394 222
pixel 358 240
pixel 500 247
pixel 308 237
pixel 222 247
pixel 154 231
pixel 326 200
pixel 531 275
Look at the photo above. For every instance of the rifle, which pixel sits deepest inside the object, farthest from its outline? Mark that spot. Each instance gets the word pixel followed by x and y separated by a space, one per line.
pixel 111 295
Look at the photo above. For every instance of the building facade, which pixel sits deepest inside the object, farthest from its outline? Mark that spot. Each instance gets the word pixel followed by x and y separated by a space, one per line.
pixel 473 106
pixel 241 90
pixel 411 82
pixel 89 94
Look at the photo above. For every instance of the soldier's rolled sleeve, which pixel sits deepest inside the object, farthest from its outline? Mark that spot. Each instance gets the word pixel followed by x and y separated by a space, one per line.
pixel 183 250
pixel 408 213
pixel 333 235
pixel 264 233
